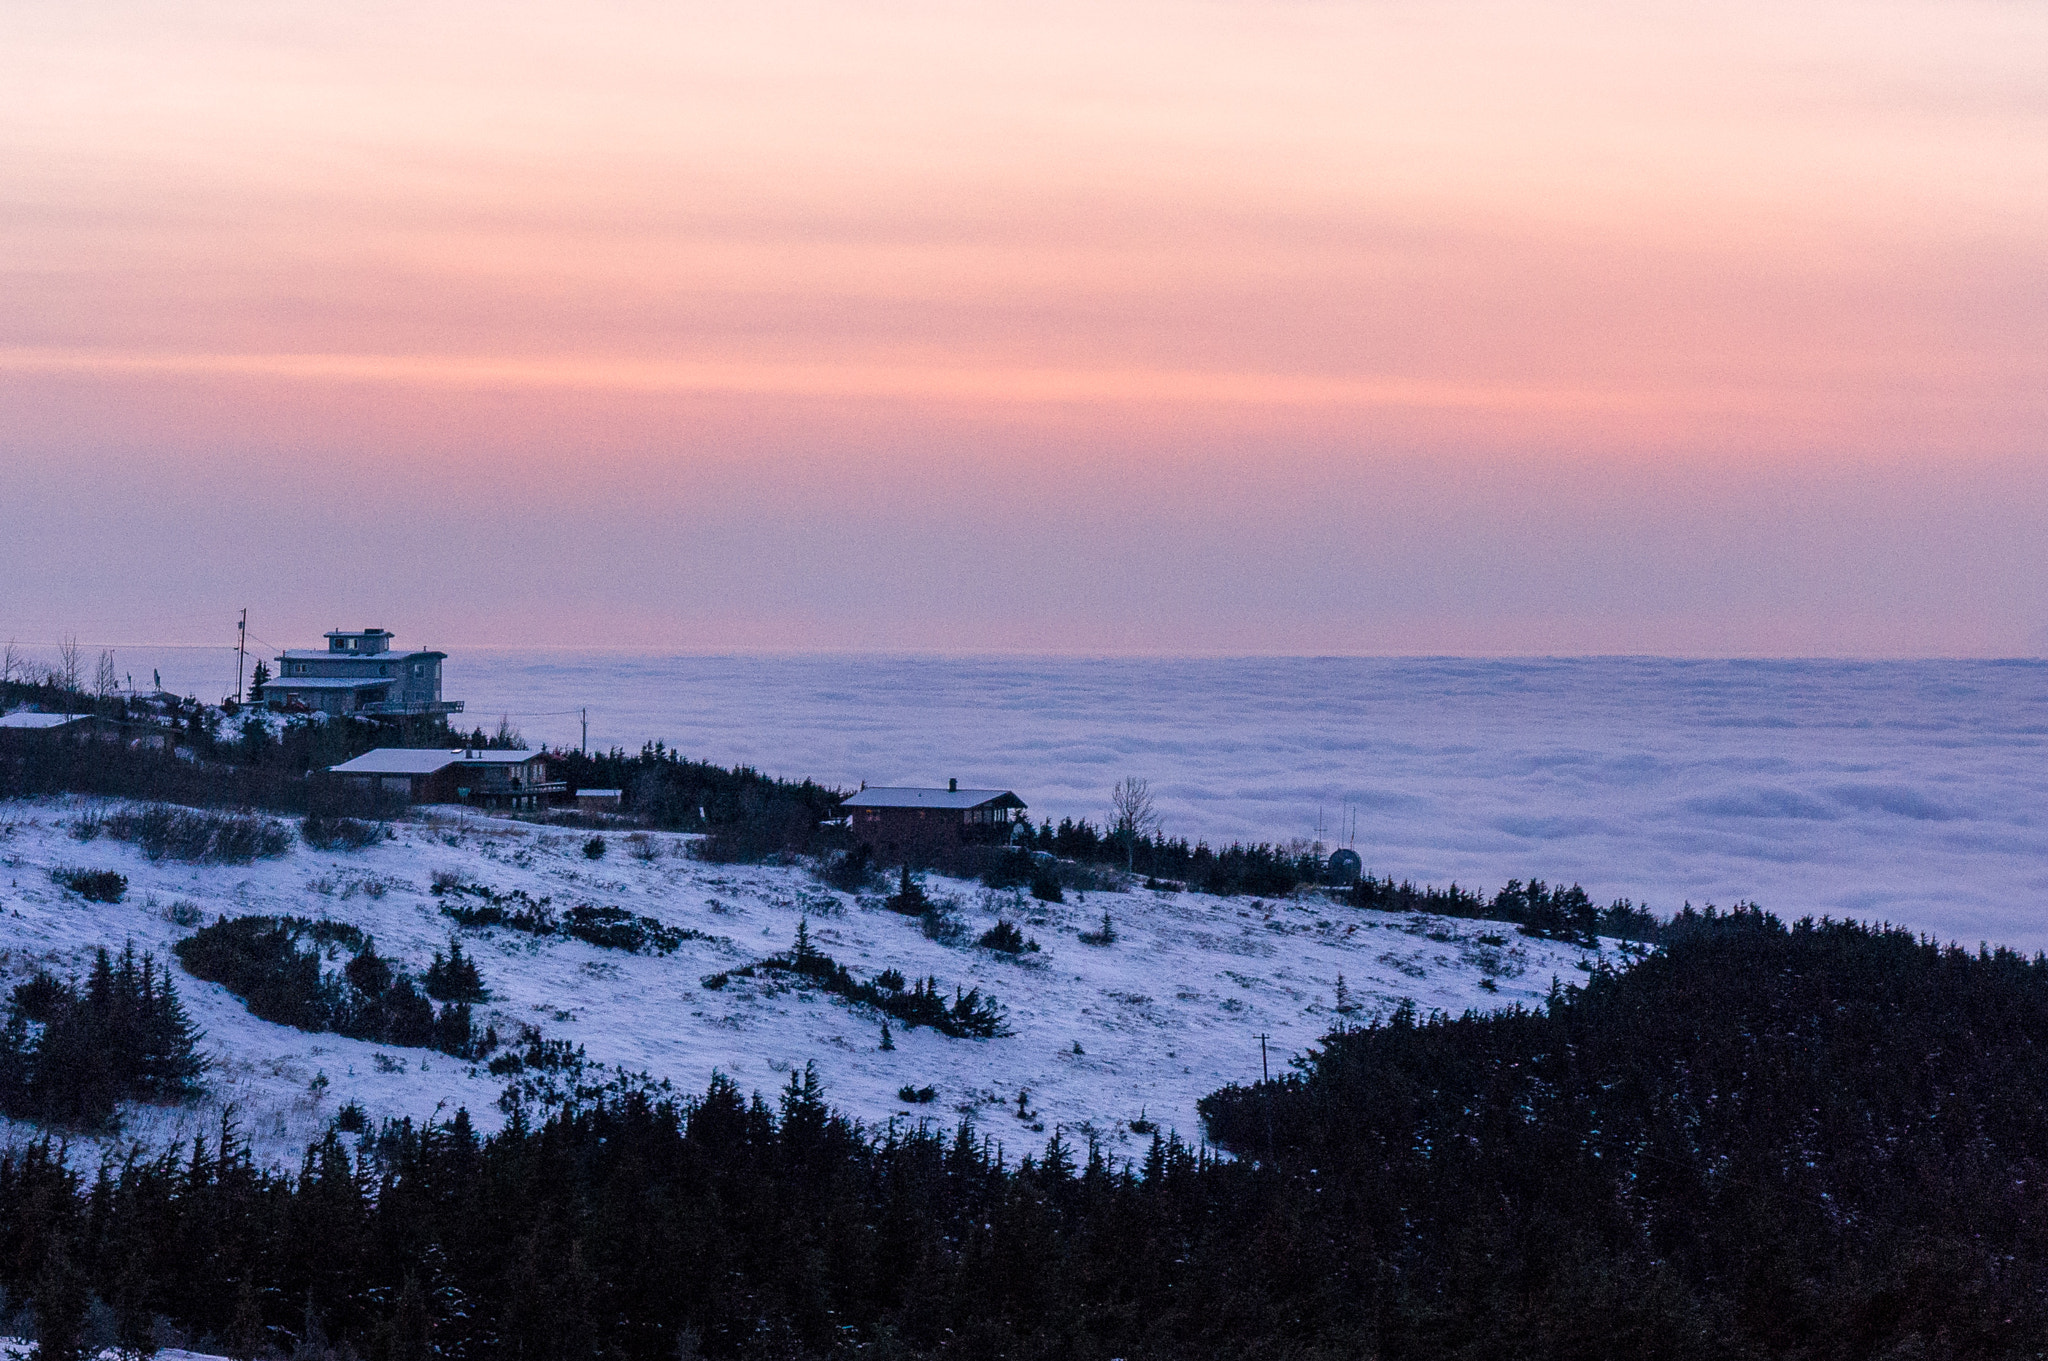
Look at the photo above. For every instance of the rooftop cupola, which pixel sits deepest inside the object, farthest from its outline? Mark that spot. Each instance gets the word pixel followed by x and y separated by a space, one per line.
pixel 360 643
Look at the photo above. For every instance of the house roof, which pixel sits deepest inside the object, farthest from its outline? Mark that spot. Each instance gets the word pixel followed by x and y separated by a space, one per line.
pixel 28 720
pixel 328 682
pixel 321 654
pixel 427 760
pixel 880 797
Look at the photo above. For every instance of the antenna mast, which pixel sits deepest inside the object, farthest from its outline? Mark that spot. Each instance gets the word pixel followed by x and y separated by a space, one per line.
pixel 241 652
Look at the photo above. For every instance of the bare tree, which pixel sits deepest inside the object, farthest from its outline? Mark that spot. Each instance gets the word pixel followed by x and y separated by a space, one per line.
pixel 1132 815
pixel 10 662
pixel 70 665
pixel 106 681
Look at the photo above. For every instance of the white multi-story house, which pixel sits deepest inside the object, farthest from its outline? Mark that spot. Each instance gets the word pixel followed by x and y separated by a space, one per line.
pixel 360 673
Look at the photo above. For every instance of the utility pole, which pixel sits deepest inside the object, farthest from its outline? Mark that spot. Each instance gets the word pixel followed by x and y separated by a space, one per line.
pixel 1266 1093
pixel 586 731
pixel 241 652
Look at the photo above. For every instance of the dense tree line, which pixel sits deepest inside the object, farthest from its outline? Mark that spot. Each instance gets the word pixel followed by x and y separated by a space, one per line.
pixel 69 1052
pixel 1540 909
pixel 1817 1141
pixel 748 815
pixel 1264 869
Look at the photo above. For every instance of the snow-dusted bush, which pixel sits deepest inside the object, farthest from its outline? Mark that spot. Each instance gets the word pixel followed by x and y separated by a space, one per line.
pixel 261 960
pixel 1004 936
pixel 95 886
pixel 161 831
pixel 341 834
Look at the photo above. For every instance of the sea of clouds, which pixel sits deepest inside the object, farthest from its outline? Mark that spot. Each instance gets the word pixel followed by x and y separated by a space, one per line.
pixel 1912 792
pixel 1903 791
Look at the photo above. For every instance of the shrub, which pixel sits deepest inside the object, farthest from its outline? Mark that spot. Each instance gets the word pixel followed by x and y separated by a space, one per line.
pixel 916 1096
pixel 940 925
pixel 909 897
pixel 352 1118
pixel 161 831
pixel 1045 886
pixel 1011 869
pixel 850 871
pixel 260 960
pixel 1005 937
pixel 971 1015
pixel 1106 936
pixel 341 834
pixel 455 978
pixel 95 886
pixel 614 928
pixel 593 849
pixel 643 847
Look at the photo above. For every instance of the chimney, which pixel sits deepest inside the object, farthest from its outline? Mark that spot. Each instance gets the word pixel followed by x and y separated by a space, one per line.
pixel 952 786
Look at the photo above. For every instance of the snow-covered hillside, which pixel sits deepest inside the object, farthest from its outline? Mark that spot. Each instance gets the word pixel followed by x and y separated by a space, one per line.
pixel 1103 1034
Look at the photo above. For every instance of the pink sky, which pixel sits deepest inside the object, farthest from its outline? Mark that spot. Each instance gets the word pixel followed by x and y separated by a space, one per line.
pixel 1320 327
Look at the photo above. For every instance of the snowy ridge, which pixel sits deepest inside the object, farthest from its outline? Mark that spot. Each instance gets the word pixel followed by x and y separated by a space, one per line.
pixel 20 1349
pixel 1102 1034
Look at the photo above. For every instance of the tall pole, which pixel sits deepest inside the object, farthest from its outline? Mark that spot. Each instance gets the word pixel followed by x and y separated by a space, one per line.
pixel 586 732
pixel 1266 1093
pixel 241 651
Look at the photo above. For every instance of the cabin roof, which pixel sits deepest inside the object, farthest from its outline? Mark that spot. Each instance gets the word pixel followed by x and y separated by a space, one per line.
pixel 29 720
pixel 906 797
pixel 426 761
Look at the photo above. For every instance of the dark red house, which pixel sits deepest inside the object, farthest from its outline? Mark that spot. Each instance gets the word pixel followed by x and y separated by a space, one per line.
pixel 483 779
pixel 905 821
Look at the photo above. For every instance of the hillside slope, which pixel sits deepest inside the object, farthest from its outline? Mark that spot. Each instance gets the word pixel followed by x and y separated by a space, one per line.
pixel 1101 1034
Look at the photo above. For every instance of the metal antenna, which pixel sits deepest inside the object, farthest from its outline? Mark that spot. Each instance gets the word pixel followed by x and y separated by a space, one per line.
pixel 241 651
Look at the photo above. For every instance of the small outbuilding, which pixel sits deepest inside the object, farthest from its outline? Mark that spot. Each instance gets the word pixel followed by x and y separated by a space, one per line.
pixel 480 778
pixel 599 800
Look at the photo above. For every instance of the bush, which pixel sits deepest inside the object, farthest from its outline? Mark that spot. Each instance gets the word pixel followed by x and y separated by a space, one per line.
pixel 612 928
pixel 850 871
pixel 593 849
pixel 916 1096
pixel 909 897
pixel 341 834
pixel 1008 939
pixel 1011 869
pixel 1045 885
pixel 940 925
pixel 161 831
pixel 970 1016
pixel 1106 936
pixel 260 960
pixel 352 1118
pixel 95 886
pixel 455 978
